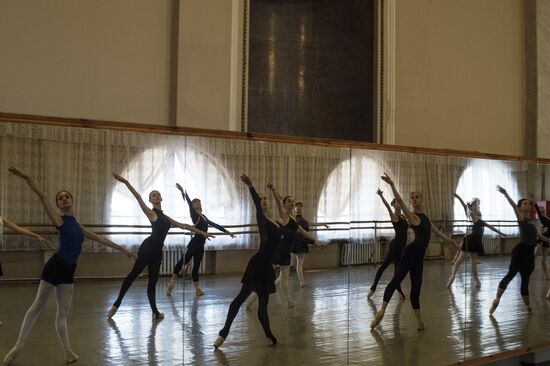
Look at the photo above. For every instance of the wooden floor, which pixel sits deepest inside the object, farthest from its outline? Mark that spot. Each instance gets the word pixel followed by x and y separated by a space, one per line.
pixel 328 326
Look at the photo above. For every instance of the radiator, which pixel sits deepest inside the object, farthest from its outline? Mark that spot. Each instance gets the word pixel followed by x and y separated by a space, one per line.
pixel 361 252
pixel 491 245
pixel 171 256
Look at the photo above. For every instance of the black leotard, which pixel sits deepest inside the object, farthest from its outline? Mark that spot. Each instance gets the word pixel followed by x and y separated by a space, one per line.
pixel 289 235
pixel 473 242
pixel 546 223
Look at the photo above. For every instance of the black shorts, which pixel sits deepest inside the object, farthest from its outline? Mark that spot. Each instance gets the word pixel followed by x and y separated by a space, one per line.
pixel 57 272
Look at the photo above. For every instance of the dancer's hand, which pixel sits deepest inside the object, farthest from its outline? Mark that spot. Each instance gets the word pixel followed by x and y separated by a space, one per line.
pixel 246 180
pixel 120 178
pixel 501 190
pixel 130 254
pixel 386 178
pixel 19 173
pixel 231 235
pixel 379 192
pixel 207 235
pixel 178 186
pixel 44 244
pixel 320 245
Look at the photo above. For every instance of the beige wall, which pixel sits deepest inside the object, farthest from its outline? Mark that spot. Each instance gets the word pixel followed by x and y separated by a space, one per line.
pixel 459 75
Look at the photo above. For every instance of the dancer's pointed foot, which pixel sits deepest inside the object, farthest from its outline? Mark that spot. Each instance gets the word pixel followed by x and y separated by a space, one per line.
pixel 12 354
pixel 112 311
pixel 271 341
pixel 302 284
pixel 158 316
pixel 377 319
pixel 450 281
pixel 219 341
pixel 529 309
pixel 478 283
pixel 494 306
pixel 71 357
pixel 170 286
pixel 420 326
pixel 199 291
pixel 369 295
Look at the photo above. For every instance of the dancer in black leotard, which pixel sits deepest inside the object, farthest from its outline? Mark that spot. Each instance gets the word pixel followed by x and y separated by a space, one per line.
pixel 150 251
pixel 259 276
pixel 473 242
pixel 395 246
pixel 58 272
pixel 523 258
pixel 19 230
pixel 285 207
pixel 195 248
pixel 545 221
pixel 413 254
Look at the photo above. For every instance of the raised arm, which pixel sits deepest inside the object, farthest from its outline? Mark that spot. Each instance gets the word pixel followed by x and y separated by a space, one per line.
pixel 151 215
pixel 446 239
pixel 103 240
pixel 194 215
pixel 44 244
pixel 279 201
pixel 412 218
pixel 519 216
pixel 54 216
pixel 545 221
pixel 189 227
pixel 255 197
pixel 455 195
pixel 393 216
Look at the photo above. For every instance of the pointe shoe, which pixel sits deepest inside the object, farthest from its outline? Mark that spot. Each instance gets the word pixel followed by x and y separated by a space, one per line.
pixel 271 341
pixel 72 358
pixel 170 286
pixel 420 326
pixel 158 316
pixel 377 319
pixel 302 284
pixel 450 282
pixel 199 291
pixel 494 306
pixel 369 295
pixel 112 311
pixel 219 341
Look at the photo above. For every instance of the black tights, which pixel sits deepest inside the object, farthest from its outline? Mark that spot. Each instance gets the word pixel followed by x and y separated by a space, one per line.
pixel 262 312
pixel 192 252
pixel 139 266
pixel 411 262
pixel 522 261
pixel 392 256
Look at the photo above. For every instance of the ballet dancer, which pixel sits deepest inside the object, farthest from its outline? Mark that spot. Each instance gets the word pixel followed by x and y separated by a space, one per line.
pixel 150 251
pixel 195 248
pixel 285 207
pixel 545 221
pixel 259 276
pixel 396 245
pixel 300 245
pixel 58 272
pixel 413 255
pixel 523 254
pixel 472 243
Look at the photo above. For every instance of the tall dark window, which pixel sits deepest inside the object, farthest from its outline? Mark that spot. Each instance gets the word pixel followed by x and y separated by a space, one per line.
pixel 311 68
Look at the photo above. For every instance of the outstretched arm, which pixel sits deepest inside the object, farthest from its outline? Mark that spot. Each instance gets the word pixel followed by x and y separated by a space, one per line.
pixel 220 228
pixel 103 240
pixel 151 215
pixel 393 216
pixel 412 218
pixel 306 234
pixel 493 228
pixel 446 239
pixel 192 213
pixel 455 195
pixel 519 216
pixel 50 210
pixel 189 227
pixel 545 221
pixel 21 230
pixel 284 217
pixel 255 197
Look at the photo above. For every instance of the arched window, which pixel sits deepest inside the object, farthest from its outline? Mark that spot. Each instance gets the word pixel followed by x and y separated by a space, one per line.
pixel 480 179
pixel 203 177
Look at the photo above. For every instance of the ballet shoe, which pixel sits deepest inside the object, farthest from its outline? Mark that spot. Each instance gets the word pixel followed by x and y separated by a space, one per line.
pixel 158 316
pixel 377 319
pixel 494 306
pixel 199 292
pixel 369 295
pixel 219 341
pixel 302 284
pixel 478 283
pixel 12 355
pixel 170 286
pixel 450 282
pixel 71 357
pixel 420 326
pixel 529 309
pixel 112 312
pixel 271 341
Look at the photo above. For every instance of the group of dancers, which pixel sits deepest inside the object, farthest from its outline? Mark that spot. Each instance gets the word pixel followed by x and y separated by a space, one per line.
pixel 279 237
